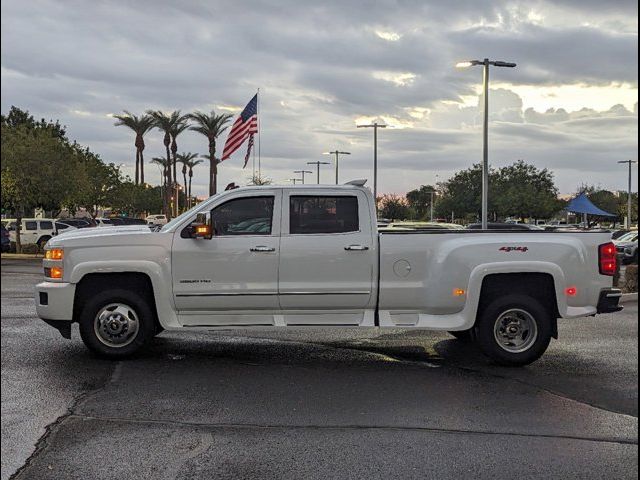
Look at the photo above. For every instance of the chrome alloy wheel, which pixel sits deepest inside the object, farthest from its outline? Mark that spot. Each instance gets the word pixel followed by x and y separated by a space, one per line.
pixel 515 330
pixel 116 325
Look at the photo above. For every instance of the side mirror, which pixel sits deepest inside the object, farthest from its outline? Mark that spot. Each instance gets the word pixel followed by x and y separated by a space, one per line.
pixel 201 227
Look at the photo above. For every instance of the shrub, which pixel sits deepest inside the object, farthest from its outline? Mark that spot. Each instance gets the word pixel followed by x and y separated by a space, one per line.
pixel 631 278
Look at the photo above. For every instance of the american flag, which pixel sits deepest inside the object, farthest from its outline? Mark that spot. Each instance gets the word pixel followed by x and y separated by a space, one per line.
pixel 244 127
pixel 249 145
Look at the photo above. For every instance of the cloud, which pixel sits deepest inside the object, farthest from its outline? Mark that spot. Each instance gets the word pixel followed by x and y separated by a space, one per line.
pixel 323 67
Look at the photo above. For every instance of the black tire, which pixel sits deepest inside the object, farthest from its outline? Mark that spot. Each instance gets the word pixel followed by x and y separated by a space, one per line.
pixel 141 309
pixel 463 335
pixel 510 306
pixel 42 241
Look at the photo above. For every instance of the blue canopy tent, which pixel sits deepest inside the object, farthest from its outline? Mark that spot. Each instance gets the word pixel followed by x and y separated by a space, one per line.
pixel 581 204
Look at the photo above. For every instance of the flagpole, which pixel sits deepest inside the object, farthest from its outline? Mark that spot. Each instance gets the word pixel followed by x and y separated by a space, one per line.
pixel 259 129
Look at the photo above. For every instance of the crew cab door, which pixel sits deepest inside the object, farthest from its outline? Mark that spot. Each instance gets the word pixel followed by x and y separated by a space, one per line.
pixel 235 270
pixel 327 252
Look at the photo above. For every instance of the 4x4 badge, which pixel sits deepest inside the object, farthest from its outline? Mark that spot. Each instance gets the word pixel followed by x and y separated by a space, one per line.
pixel 513 249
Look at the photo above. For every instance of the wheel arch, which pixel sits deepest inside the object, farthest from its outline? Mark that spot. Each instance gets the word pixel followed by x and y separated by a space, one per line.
pixel 538 285
pixel 92 283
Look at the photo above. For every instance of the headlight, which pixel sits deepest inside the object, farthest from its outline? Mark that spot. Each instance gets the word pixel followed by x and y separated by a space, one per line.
pixel 54 254
pixel 628 250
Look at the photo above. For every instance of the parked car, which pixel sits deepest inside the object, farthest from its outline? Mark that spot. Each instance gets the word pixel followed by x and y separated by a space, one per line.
pixel 310 255
pixel 615 234
pixel 76 222
pixel 156 219
pixel 62 227
pixel 506 226
pixel 419 226
pixel 627 247
pixel 5 242
pixel 103 222
pixel 34 231
pixel 128 221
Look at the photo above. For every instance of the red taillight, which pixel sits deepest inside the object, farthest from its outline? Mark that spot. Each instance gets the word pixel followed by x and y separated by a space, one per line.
pixel 607 259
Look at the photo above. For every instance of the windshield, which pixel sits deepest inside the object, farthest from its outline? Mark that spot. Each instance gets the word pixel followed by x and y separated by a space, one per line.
pixel 180 218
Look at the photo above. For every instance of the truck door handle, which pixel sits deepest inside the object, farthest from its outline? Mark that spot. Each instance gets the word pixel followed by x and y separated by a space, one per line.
pixel 262 248
pixel 356 247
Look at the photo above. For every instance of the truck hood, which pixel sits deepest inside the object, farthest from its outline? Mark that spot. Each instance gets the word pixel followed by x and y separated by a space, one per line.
pixel 85 235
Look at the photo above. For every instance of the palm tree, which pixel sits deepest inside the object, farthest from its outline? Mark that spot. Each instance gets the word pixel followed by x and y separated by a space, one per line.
pixel 211 126
pixel 166 122
pixel 192 164
pixel 162 162
pixel 179 127
pixel 185 159
pixel 140 125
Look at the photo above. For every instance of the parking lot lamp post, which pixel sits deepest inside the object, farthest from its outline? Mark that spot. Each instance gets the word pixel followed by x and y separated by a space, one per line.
pixel 431 205
pixel 627 223
pixel 337 154
pixel 375 126
pixel 302 172
pixel 317 164
pixel 485 149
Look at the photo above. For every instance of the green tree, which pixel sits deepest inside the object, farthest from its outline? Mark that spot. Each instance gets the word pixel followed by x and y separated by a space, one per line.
pixel 186 159
pixel 133 200
pixel 211 126
pixel 179 127
pixel 103 181
pixel 17 117
pixel 419 201
pixel 518 190
pixel 164 167
pixel 193 163
pixel 140 126
pixel 393 207
pixel 39 169
pixel 462 194
pixel 521 190
pixel 165 122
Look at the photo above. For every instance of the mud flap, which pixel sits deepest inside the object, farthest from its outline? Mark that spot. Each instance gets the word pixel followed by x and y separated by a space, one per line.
pixel 64 327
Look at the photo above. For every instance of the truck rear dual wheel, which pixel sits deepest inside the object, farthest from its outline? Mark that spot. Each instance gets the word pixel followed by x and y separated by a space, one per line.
pixel 514 330
pixel 116 323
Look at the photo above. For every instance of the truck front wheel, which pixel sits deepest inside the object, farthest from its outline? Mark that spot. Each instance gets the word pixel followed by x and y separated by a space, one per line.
pixel 116 323
pixel 514 330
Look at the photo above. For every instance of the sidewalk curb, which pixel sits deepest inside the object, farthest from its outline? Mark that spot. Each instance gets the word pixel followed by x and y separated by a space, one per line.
pixel 629 298
pixel 22 256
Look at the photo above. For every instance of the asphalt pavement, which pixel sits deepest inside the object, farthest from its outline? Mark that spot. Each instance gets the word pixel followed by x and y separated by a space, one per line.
pixel 313 403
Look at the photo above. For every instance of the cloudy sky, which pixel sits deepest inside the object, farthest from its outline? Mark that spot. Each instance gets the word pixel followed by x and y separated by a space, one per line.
pixel 322 67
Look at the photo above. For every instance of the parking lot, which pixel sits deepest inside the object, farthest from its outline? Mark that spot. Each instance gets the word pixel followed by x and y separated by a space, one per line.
pixel 310 403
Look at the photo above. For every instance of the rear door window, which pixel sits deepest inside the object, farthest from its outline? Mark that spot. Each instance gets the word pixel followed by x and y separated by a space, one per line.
pixel 46 225
pixel 323 214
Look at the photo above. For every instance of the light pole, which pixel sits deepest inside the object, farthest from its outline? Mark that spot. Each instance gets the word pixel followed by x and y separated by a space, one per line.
pixel 302 172
pixel 485 149
pixel 431 205
pixel 375 126
pixel 317 164
pixel 294 180
pixel 337 154
pixel 627 223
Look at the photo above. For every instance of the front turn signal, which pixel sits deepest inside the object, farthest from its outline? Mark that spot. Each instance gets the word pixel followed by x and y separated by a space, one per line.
pixel 53 272
pixel 54 254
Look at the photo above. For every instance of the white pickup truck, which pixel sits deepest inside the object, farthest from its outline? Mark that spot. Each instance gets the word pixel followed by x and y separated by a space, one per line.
pixel 311 255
